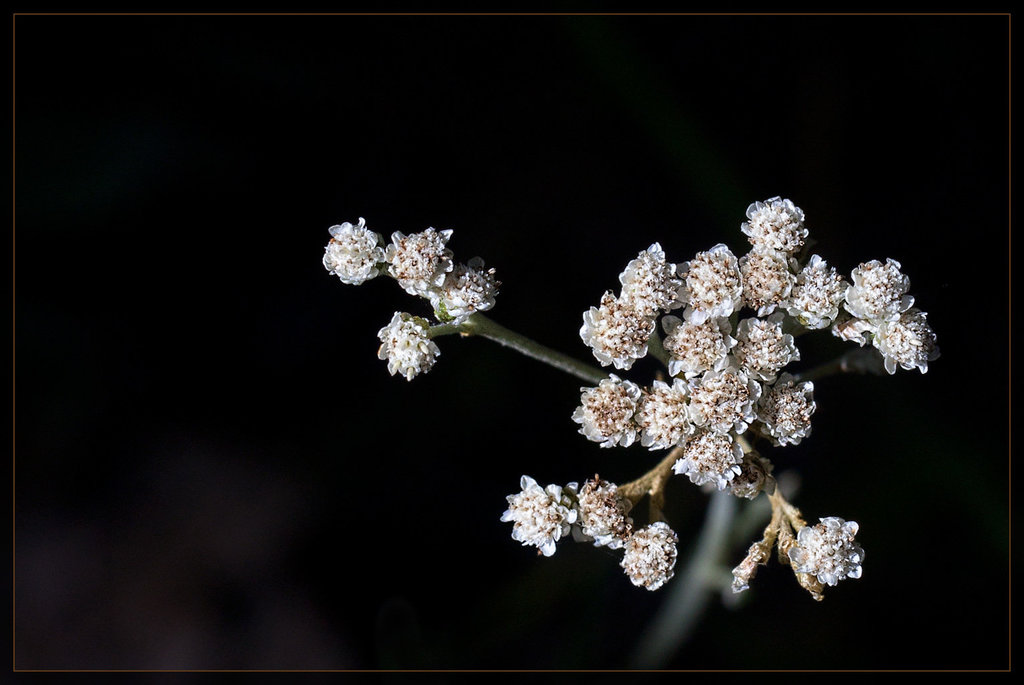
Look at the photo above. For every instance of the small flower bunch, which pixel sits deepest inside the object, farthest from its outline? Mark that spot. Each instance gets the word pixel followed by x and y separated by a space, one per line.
pixel 597 512
pixel 423 266
pixel 724 327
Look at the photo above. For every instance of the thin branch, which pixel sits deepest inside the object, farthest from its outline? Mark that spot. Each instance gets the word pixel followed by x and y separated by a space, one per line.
pixel 480 325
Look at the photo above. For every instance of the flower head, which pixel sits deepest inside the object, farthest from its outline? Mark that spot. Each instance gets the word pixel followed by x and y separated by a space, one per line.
pixel 616 331
pixel 767 280
pixel 785 409
pixel 467 288
pixel 353 253
pixel 697 347
pixel 776 224
pixel 664 416
pixel 817 294
pixel 710 457
pixel 723 401
pixel 714 287
pixel 762 348
pixel 755 475
pixel 650 284
pixel 406 346
pixel 908 342
pixel 827 551
pixel 606 412
pixel 650 556
pixel 602 513
pixel 419 261
pixel 878 292
pixel 541 516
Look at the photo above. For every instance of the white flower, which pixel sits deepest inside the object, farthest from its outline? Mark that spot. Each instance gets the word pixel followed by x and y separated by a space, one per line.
pixel 827 551
pixel 467 288
pixel 650 284
pixel 723 401
pixel 353 253
pixel 650 556
pixel 697 347
pixel 606 412
pixel 878 292
pixel 406 346
pixel 541 516
pixel 419 261
pixel 762 348
pixel 603 514
pixel 711 457
pixel 714 287
pixel 776 224
pixel 616 332
pixel 817 295
pixel 767 280
pixel 664 416
pixel 786 408
pixel 908 342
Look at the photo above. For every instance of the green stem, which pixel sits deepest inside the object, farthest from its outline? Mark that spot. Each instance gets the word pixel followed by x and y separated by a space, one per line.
pixel 478 324
pixel 444 329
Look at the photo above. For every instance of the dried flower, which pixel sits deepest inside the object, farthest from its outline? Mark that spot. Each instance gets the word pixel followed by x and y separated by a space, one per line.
pixel 755 475
pixel 606 412
pixel 406 346
pixel 650 556
pixel 852 329
pixel 827 551
pixel 541 516
pixel 758 554
pixel 354 252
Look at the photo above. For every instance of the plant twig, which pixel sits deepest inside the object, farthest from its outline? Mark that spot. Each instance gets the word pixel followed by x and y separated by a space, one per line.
pixel 478 324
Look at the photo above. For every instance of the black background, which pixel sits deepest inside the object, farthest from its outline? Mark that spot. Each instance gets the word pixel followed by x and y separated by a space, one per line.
pixel 214 470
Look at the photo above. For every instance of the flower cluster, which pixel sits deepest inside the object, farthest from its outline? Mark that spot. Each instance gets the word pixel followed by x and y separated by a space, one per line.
pixel 724 326
pixel 880 310
pixel 423 266
pixel 617 331
pixel 598 513
pixel 727 354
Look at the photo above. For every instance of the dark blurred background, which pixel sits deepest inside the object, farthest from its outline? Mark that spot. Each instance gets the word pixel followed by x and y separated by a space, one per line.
pixel 214 470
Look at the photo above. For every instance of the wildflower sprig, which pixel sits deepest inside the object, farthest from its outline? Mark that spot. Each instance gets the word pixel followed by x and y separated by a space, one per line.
pixel 726 328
